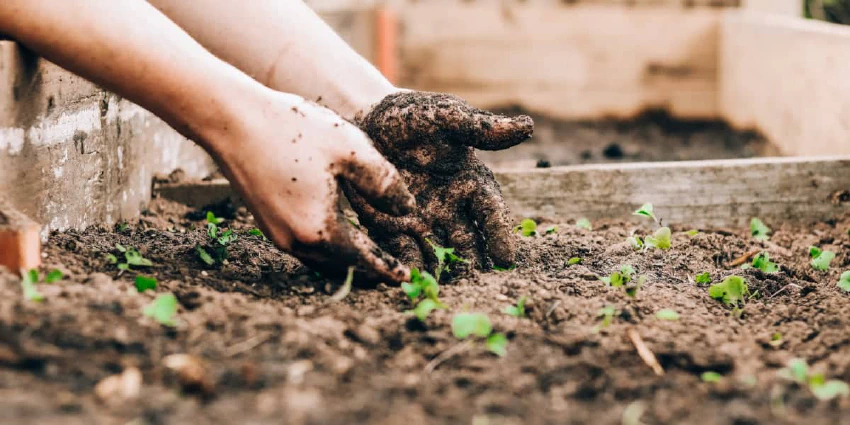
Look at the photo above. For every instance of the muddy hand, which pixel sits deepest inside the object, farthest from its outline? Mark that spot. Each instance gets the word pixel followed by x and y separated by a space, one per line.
pixel 431 138
pixel 287 160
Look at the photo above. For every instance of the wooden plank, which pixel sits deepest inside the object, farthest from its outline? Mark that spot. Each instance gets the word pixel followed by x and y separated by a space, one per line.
pixel 786 77
pixel 566 61
pixel 695 193
pixel 20 246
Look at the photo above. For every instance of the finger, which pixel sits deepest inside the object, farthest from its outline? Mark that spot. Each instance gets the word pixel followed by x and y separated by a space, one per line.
pixel 377 180
pixel 482 129
pixel 463 237
pixel 488 209
pixel 405 249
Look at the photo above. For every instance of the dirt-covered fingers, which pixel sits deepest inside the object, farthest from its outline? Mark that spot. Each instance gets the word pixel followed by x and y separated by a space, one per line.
pixel 464 238
pixel 488 210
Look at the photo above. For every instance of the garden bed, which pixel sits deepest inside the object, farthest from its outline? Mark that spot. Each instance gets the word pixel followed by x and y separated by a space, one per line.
pixel 276 350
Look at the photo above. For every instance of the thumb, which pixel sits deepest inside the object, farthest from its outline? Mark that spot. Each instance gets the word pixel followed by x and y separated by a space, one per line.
pixel 377 180
pixel 496 132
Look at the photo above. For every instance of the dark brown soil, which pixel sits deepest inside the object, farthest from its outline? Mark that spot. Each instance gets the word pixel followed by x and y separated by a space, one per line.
pixel 652 136
pixel 277 353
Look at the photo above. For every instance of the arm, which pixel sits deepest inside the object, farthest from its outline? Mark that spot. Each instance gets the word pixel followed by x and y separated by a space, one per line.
pixel 132 49
pixel 286 46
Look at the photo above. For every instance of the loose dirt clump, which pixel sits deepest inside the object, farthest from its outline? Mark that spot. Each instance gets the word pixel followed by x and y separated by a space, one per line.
pixel 265 346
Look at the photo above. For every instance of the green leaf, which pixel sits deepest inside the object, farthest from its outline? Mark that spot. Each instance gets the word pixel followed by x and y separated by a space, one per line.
pixel 692 232
pixel 844 281
pixel 212 231
pixel 776 340
pixel 135 259
pixel 584 223
pixel 797 370
pixel 660 239
pixel 54 276
pixel 645 211
pixel 703 277
pixel 120 247
pixel 226 237
pixel 345 289
pixel 143 283
pixel 710 376
pixel 204 255
pixel 573 261
pixel 497 344
pixel 162 309
pixel 527 227
pixel 814 251
pixel 123 266
pixel 28 281
pixel 632 290
pixel 122 227
pixel 759 230
pixel 445 258
pixel 111 259
pixel 635 242
pixel 425 307
pixel 607 314
pixel 627 270
pixel 763 263
pixel 258 232
pixel 466 324
pixel 731 291
pixel 830 390
pixel 550 230
pixel 412 291
pixel 212 219
pixel 667 314
pixel 822 260
pixel 504 269
pixel 517 310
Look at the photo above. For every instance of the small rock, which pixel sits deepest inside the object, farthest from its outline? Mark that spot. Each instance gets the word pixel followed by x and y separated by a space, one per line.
pixel 121 387
pixel 191 374
pixel 296 371
pixel 367 334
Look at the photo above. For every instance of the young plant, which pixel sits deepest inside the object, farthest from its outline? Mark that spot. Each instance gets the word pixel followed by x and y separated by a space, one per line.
pixel 763 263
pixel 667 314
pixel 573 261
pixel 551 230
pixel 446 258
pixel 216 250
pixel 820 258
pixel 143 283
pixel 504 269
pixel 636 242
pixel 625 279
pixel 607 314
pixel 584 223
pixel 517 310
pixel 478 325
pixel 844 281
pixel 703 278
pixel 421 284
pixel 646 211
pixel 163 309
pixel 799 372
pixel 759 230
pixel 258 233
pixel 424 308
pixel 732 291
pixel 29 279
pixel 710 376
pixel 527 227
pixel 132 258
pixel 660 239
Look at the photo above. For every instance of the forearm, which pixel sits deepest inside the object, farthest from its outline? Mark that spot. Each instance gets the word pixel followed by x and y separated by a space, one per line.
pixel 284 45
pixel 132 49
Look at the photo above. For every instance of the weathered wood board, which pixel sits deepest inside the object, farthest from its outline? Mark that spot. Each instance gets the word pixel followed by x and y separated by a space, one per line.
pixel 695 193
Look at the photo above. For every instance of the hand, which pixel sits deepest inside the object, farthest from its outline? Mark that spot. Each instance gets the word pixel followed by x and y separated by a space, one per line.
pixel 431 138
pixel 286 157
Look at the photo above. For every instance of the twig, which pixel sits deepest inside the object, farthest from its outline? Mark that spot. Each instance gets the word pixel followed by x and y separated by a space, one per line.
pixel 645 353
pixel 742 259
pixel 445 355
pixel 247 345
pixel 344 290
pixel 784 288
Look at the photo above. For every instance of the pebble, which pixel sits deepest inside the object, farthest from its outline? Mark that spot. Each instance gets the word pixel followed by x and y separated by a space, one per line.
pixel 191 373
pixel 119 388
pixel 367 334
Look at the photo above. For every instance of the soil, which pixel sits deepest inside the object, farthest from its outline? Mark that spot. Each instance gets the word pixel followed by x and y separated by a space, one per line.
pixel 651 136
pixel 274 350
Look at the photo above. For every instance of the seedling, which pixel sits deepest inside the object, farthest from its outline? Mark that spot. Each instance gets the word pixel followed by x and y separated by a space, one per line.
pixel 584 223
pixel 132 258
pixel 259 233
pixel 517 310
pixel 445 259
pixel 703 278
pixel 421 283
pixel 551 230
pixel 504 269
pixel 763 263
pixel 799 372
pixel 820 258
pixel 844 281
pixel 607 314
pixel 732 291
pixel 692 232
pixel 624 279
pixel 30 278
pixel 424 308
pixel 345 289
pixel 216 250
pixel 636 242
pixel 53 276
pixel 527 227
pixel 573 261
pixel 776 340
pixel 667 314
pixel 162 309
pixel 646 211
pixel 478 325
pixel 759 230
pixel 660 239
pixel 710 376
pixel 143 283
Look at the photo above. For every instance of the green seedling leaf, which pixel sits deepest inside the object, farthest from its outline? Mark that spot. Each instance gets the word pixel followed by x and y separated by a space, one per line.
pixel 710 376
pixel 517 310
pixel 143 283
pixel 424 308
pixel 646 211
pixel 635 242
pixel 226 237
pixel 607 314
pixel 692 232
pixel 204 255
pixel 28 281
pixel 551 230
pixel 212 230
pixel 345 289
pixel 844 281
pixel 660 239
pixel 667 314
pixel 120 247
pixel 497 344
pixel 212 219
pixel 54 276
pixel 776 340
pixel 123 266
pixel 421 283
pixel 527 227
pixel 574 261
pixel 504 269
pixel 445 259
pixel 111 259
pixel 797 371
pixel 618 279
pixel 703 277
pixel 162 309
pixel 820 258
pixel 731 291
pixel 258 232
pixel 584 223
pixel 632 290
pixel 122 227
pixel 759 230
pixel 135 259
pixel 475 324
pixel 763 263
pixel 830 390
